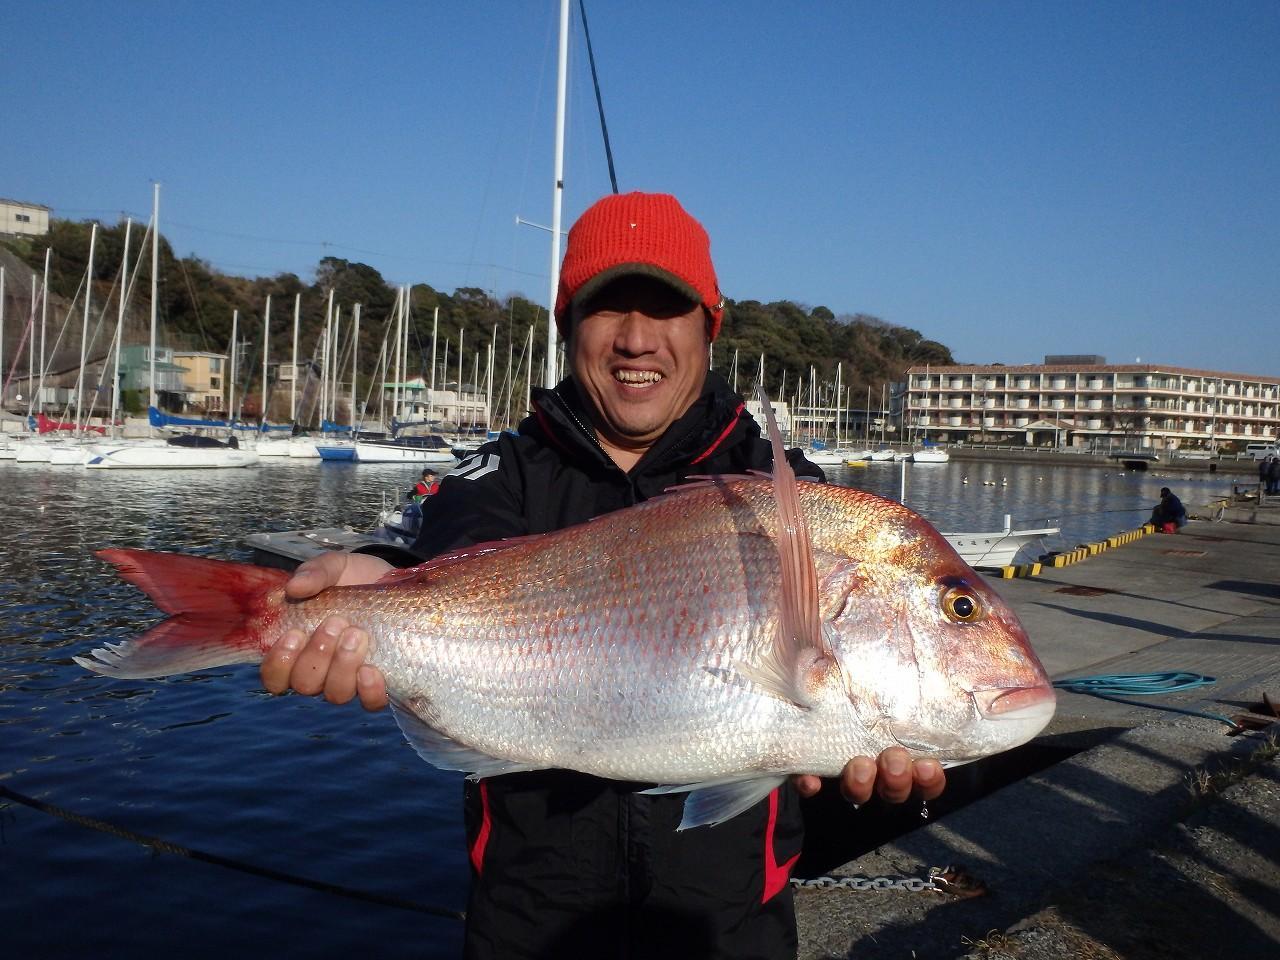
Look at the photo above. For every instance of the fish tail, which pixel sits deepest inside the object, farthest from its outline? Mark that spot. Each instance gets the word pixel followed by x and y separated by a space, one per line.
pixel 219 614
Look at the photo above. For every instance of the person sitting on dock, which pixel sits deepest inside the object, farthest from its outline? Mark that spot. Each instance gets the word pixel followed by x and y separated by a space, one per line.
pixel 1169 514
pixel 564 864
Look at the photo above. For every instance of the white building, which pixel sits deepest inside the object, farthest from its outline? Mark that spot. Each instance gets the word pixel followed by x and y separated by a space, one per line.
pixel 418 403
pixel 23 219
pixel 1094 405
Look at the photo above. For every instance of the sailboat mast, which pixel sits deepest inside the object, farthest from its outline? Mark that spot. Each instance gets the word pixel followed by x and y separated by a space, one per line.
pixel 355 349
pixel 266 336
pixel 44 322
pixel 336 359
pixel 124 290
pixel 557 193
pixel 293 380
pixel 155 287
pixel 231 383
pixel 84 324
pixel 431 397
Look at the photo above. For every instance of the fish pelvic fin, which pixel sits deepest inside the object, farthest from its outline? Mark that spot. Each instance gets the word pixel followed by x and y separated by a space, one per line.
pixel 218 614
pixel 716 801
pixel 441 750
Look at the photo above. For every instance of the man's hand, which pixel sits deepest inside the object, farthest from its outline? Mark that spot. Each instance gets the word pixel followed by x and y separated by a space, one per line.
pixel 331 660
pixel 893 776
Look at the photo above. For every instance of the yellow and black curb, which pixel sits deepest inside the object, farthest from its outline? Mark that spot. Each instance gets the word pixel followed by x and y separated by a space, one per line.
pixel 1082 552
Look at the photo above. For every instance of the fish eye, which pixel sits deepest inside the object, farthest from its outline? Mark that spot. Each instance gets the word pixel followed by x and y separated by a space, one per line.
pixel 961 606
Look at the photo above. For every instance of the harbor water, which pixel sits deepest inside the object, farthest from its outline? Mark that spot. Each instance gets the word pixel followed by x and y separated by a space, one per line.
pixel 211 763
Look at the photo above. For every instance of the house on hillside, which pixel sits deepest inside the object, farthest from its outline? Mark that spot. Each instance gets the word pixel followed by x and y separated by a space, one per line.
pixel 23 219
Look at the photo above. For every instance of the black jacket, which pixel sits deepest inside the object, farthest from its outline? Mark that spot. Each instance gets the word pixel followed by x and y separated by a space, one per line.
pixel 564 864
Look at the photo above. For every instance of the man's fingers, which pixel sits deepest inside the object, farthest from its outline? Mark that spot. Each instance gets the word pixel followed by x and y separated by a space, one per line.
pixel 312 666
pixel 806 784
pixel 857 780
pixel 278 662
pixel 340 680
pixel 930 779
pixel 894 779
pixel 371 685
pixel 315 575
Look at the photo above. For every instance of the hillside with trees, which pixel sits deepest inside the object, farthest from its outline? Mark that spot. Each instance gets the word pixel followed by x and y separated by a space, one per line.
pixel 195 305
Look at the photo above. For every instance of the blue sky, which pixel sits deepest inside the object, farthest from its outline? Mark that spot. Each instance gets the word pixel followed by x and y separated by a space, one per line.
pixel 1012 179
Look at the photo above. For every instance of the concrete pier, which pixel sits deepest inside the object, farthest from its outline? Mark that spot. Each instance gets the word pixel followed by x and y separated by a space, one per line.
pixel 1155 834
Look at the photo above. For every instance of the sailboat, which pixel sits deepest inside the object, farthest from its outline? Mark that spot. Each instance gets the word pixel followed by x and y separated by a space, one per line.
pixel 185 451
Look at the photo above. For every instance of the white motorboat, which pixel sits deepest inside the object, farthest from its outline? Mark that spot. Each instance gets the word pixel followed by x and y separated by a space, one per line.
pixel 834 456
pixel 930 455
pixel 883 455
pixel 997 548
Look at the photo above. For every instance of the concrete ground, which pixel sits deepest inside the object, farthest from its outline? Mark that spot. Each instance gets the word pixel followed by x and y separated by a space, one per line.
pixel 1130 832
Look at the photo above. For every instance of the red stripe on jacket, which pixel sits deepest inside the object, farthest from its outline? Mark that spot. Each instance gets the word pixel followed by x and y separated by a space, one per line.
pixel 482 836
pixel 776 875
pixel 737 414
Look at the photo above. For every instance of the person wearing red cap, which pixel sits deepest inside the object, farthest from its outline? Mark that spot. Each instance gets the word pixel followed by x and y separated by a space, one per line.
pixel 564 864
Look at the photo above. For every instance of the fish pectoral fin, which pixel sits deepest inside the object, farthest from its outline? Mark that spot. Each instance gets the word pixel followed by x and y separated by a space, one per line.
pixel 715 801
pixel 446 753
pixel 792 678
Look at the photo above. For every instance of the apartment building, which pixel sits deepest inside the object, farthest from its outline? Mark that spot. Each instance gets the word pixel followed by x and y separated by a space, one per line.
pixel 1092 405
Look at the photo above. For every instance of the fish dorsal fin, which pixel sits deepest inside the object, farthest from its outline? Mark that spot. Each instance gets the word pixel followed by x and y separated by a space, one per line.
pixel 799 644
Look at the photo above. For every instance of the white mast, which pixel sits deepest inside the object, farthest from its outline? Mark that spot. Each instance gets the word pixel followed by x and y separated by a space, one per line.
pixel 293 381
pixel 84 324
pixel 44 322
pixel 334 359
pixel 324 357
pixel 458 408
pixel 355 348
pixel 431 396
pixel 395 374
pixel 557 194
pixel 266 335
pixel 404 354
pixel 124 289
pixel 31 347
pixel 231 383
pixel 155 287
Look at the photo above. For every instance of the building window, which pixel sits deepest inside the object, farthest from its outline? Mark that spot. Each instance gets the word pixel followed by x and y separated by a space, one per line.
pixel 215 383
pixel 22 217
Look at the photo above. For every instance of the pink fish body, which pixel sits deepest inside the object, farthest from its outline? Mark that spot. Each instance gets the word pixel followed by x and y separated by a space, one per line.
pixel 667 643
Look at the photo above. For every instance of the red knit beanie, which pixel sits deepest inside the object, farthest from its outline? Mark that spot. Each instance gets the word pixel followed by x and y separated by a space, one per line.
pixel 644 233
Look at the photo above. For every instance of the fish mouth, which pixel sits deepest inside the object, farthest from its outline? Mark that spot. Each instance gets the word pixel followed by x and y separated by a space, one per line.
pixel 1016 703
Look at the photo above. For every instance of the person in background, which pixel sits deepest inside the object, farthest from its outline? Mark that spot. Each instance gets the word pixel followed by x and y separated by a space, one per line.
pixel 1169 514
pixel 1264 471
pixel 426 486
pixel 1273 476
pixel 564 864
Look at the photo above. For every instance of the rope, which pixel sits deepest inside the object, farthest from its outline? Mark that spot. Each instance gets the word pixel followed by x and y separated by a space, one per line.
pixel 1118 686
pixel 164 846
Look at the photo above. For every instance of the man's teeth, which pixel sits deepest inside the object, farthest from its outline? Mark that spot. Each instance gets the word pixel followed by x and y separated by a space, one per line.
pixel 637 376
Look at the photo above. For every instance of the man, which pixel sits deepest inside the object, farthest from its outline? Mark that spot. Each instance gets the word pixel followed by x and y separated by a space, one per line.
pixel 1169 514
pixel 426 486
pixel 564 864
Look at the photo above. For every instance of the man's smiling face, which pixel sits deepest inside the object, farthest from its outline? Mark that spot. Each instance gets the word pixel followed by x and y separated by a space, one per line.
pixel 639 352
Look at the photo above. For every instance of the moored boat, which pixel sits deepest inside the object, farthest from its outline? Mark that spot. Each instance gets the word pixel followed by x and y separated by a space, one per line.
pixel 997 548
